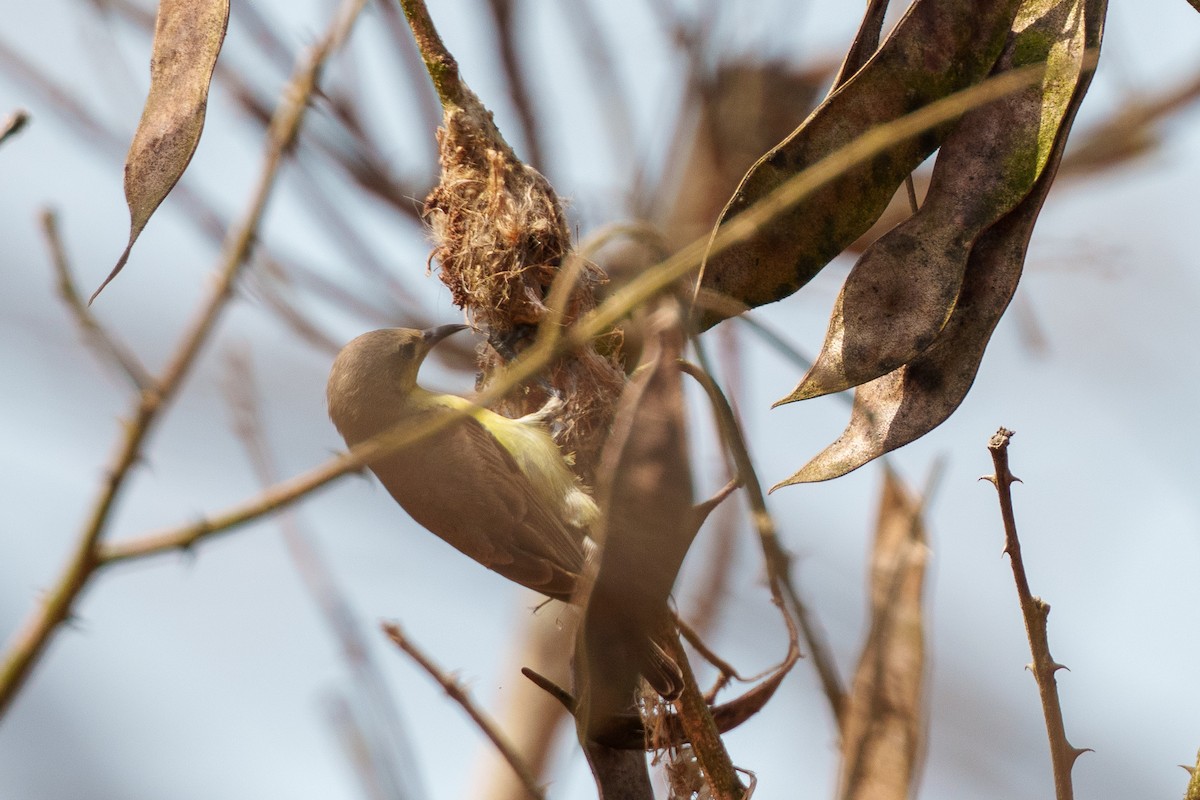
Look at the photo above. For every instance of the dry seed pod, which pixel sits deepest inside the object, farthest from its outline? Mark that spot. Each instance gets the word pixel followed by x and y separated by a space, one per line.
pixel 188 35
pixel 904 405
pixel 645 497
pixel 937 48
pixel 882 726
pixel 499 230
pixel 903 288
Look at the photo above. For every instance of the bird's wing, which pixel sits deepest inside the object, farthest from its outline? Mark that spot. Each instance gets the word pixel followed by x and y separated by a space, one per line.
pixel 464 486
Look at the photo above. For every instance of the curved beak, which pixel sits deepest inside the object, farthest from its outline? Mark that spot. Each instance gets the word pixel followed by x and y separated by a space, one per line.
pixel 434 335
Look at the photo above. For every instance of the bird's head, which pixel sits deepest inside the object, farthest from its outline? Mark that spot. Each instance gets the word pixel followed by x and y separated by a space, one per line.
pixel 375 372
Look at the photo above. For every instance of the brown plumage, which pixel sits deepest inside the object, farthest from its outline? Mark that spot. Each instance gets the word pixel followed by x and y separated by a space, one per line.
pixel 496 489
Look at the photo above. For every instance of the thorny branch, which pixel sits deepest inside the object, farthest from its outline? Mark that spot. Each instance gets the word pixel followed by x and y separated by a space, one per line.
pixel 1035 610
pixel 95 334
pixel 454 689
pixel 778 562
pixel 29 642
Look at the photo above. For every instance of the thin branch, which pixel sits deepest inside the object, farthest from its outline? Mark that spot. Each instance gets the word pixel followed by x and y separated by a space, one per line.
pixel 1035 610
pixel 13 124
pixel 701 730
pixel 29 642
pixel 94 334
pixel 429 112
pixel 439 63
pixel 778 561
pixel 460 696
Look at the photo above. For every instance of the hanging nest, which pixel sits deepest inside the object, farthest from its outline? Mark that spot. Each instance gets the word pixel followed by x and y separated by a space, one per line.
pixel 500 239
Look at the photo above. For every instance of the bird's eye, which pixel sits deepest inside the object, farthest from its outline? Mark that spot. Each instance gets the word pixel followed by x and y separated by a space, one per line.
pixel 405 351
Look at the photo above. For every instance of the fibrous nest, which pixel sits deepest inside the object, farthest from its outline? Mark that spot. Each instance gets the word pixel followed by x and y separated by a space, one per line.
pixel 500 239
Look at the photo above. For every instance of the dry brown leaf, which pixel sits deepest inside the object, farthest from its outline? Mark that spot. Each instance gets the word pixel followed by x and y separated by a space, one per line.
pixel 901 292
pixel 188 35
pixel 881 739
pixel 937 48
pixel 904 405
pixel 645 497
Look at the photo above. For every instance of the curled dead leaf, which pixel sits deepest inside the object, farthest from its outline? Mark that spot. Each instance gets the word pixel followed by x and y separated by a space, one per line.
pixel 188 35
pixel 937 48
pixel 902 290
pixel 904 405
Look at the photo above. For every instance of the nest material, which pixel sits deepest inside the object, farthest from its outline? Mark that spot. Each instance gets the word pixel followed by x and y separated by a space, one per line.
pixel 500 238
pixel 499 230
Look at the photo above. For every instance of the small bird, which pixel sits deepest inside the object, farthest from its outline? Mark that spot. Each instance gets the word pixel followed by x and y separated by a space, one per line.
pixel 496 489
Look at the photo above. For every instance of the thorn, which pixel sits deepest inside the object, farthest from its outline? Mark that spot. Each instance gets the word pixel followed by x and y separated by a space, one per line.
pixel 1190 770
pixel 550 687
pixel 990 479
pixel 1076 752
pixel 1055 667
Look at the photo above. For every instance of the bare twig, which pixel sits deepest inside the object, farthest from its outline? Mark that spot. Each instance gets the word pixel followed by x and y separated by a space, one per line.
pixel 697 722
pixel 429 112
pixel 707 603
pixel 778 561
pixel 441 66
pixel 94 334
pixel 13 124
pixel 1035 611
pixel 29 642
pixel 460 696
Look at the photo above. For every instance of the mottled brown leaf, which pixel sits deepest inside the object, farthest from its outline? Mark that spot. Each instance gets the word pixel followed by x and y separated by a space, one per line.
pixel 645 497
pixel 881 737
pixel 937 48
pixel 904 405
pixel 187 39
pixel 901 292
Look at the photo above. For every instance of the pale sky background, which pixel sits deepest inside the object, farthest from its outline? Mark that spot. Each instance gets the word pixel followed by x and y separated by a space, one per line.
pixel 212 675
